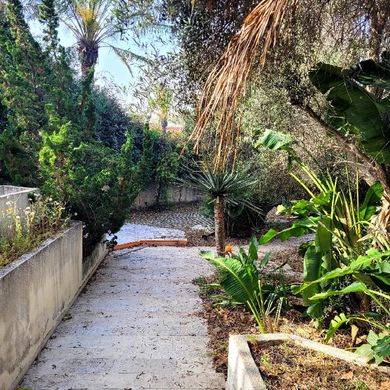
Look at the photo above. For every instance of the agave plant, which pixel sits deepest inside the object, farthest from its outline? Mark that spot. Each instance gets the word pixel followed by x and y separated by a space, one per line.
pixel 223 187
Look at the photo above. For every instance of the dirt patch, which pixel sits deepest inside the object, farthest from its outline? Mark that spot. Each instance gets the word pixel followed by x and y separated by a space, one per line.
pixel 288 366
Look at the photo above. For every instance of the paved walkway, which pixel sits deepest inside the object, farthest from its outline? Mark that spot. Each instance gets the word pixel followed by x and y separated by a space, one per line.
pixel 134 232
pixel 134 327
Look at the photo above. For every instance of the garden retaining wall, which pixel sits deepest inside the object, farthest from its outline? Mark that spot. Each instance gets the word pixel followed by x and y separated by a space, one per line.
pixel 173 195
pixel 36 290
pixel 243 373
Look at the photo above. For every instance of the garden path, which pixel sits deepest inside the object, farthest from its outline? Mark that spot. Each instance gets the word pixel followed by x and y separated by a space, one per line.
pixel 133 327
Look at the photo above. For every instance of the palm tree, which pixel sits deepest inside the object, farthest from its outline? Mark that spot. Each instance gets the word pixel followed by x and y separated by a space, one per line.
pixel 94 23
pixel 249 48
pixel 223 188
pixel 161 101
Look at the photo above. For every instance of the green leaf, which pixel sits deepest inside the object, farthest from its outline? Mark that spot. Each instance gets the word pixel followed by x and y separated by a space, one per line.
pixel 311 271
pixel 324 235
pixel 360 264
pixel 365 351
pixel 297 229
pixel 238 280
pixel 372 338
pixel 369 72
pixel 265 260
pixel 382 349
pixel 335 324
pixel 356 287
pixel 253 248
pixel 371 202
pixel 354 109
pixel 274 140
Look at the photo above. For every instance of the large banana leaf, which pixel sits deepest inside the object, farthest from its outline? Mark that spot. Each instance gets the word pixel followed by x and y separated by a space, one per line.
pixel 276 141
pixel 240 281
pixel 355 110
pixel 369 72
pixel 356 287
pixel 362 263
pixel 297 229
pixel 311 272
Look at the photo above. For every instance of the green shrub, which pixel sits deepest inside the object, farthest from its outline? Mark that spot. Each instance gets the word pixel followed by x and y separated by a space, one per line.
pixel 241 277
pixel 97 185
pixel 160 162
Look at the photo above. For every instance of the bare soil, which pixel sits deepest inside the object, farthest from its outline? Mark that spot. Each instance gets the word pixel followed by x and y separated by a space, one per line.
pixel 288 366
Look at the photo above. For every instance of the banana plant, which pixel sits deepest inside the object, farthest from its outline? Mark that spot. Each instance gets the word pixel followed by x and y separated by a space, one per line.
pixel 354 109
pixel 241 279
pixel 339 220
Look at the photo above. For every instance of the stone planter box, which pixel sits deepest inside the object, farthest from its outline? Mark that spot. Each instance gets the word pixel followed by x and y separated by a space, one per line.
pixel 243 373
pixel 36 290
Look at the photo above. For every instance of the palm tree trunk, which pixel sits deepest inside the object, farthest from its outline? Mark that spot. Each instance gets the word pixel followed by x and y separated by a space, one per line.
pixel 89 54
pixel 164 125
pixel 219 220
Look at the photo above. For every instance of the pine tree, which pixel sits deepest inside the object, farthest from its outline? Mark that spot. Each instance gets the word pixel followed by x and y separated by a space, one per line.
pixel 49 18
pixel 22 73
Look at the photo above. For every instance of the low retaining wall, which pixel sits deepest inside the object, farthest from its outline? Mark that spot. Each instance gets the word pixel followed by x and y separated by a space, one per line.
pixel 15 197
pixel 36 290
pixel 174 195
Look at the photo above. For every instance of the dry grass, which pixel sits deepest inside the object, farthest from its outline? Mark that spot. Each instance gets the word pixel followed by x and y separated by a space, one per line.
pixel 23 230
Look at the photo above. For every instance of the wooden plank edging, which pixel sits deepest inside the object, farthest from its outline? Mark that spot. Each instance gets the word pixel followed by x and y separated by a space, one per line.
pixel 151 242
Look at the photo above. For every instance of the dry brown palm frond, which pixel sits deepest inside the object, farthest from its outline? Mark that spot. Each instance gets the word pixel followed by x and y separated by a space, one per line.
pixel 228 79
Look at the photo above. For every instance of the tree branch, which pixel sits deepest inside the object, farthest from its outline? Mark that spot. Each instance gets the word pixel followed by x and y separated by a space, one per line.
pixel 370 170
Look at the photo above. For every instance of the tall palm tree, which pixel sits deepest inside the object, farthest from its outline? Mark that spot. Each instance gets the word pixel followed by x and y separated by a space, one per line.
pixel 95 23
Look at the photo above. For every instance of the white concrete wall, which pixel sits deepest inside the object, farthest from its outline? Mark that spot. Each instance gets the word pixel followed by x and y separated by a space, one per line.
pixel 11 196
pixel 35 292
pixel 174 195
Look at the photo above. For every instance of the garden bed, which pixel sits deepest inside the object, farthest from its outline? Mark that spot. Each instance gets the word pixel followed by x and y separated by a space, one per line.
pixel 283 361
pixel 224 319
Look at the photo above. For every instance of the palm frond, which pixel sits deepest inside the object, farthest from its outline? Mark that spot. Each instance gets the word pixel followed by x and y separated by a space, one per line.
pixel 228 79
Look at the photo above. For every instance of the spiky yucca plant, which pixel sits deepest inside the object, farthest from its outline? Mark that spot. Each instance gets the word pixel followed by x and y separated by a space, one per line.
pixel 223 187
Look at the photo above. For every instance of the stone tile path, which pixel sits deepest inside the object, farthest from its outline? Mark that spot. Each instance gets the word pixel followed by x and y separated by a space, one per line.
pixel 134 327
